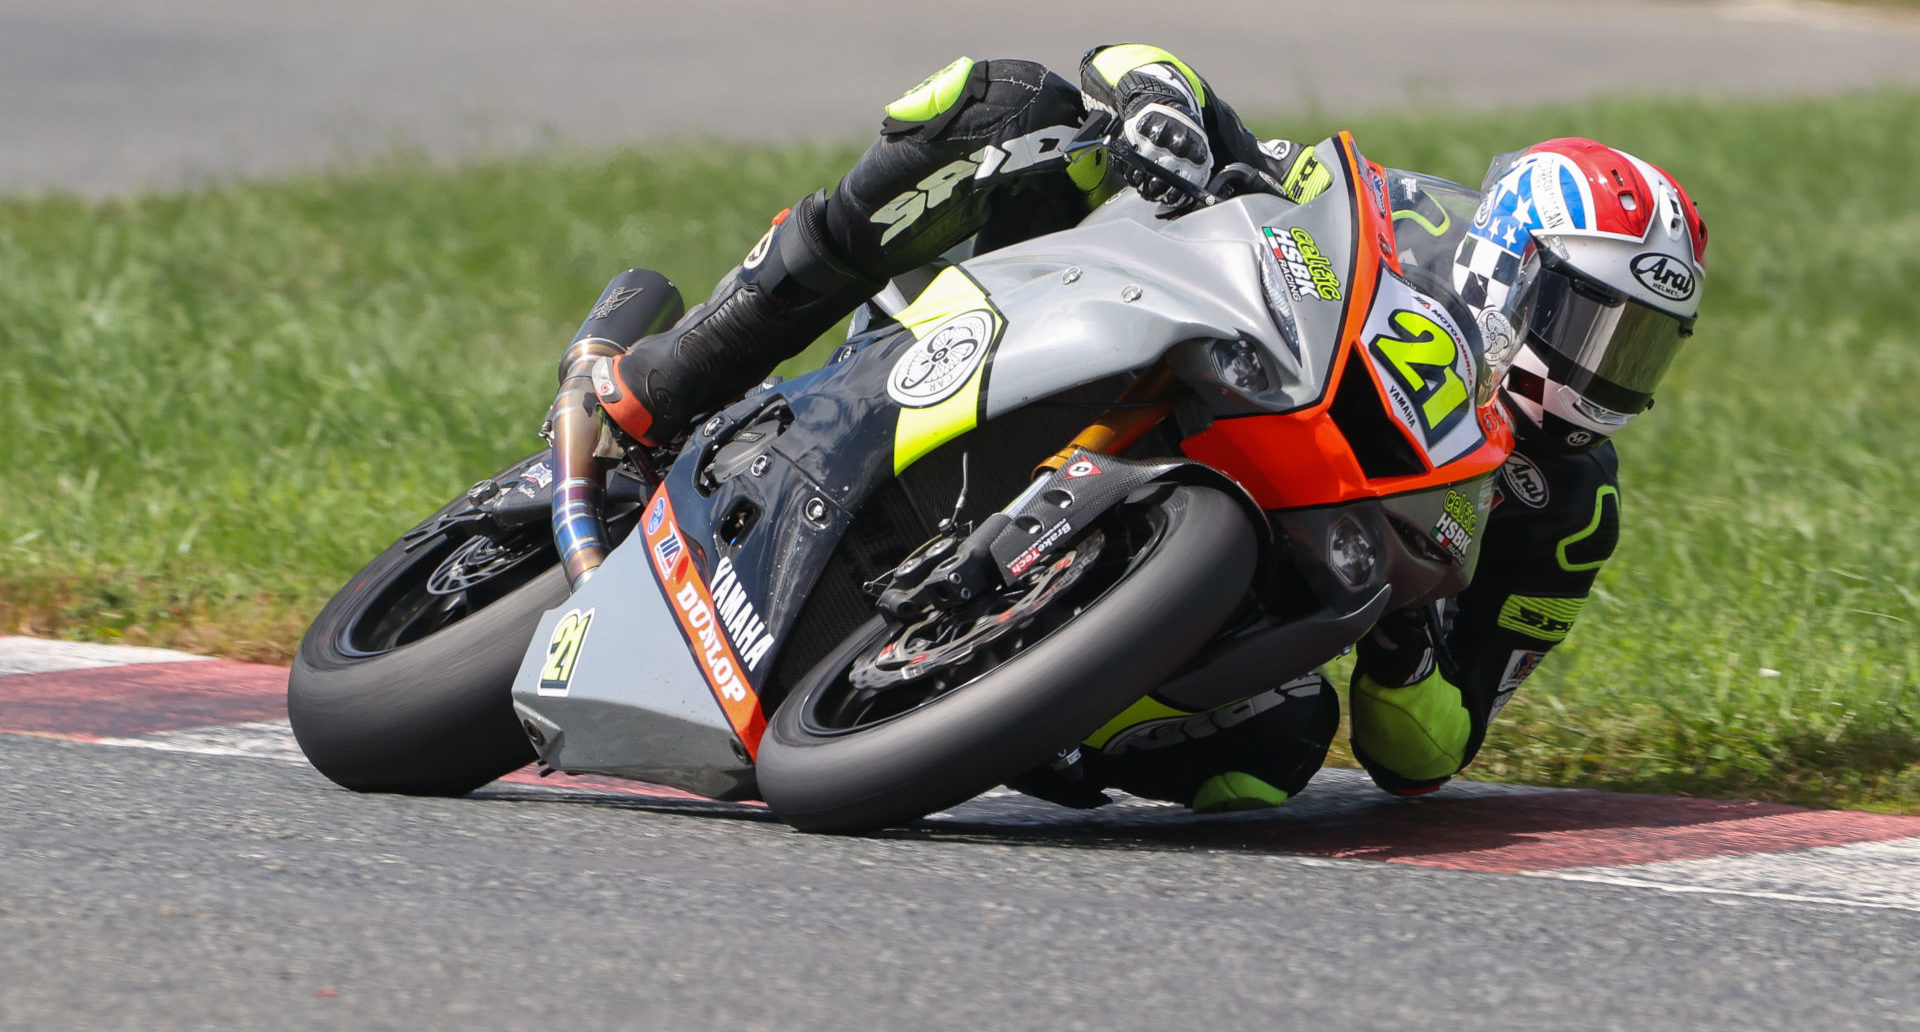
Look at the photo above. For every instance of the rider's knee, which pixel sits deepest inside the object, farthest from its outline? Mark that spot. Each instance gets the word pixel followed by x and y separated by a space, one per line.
pixel 945 149
pixel 1279 737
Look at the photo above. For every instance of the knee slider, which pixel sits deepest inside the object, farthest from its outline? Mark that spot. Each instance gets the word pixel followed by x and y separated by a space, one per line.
pixel 928 108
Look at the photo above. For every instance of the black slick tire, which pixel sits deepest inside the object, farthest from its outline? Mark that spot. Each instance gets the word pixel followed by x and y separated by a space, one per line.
pixel 431 717
pixel 1021 713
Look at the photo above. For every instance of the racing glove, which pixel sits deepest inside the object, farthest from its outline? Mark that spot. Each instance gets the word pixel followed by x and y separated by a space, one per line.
pixel 1167 143
pixel 1158 135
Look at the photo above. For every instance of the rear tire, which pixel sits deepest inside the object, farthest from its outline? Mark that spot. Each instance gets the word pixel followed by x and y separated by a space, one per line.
pixel 420 701
pixel 1177 591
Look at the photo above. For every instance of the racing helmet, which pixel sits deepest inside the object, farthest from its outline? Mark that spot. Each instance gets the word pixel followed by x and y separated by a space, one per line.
pixel 1594 258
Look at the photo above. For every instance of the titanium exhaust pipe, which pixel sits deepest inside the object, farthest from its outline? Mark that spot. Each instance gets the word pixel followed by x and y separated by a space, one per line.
pixel 579 531
pixel 637 302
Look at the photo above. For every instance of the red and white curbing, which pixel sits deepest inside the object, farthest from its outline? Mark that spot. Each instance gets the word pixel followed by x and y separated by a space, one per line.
pixel 1726 850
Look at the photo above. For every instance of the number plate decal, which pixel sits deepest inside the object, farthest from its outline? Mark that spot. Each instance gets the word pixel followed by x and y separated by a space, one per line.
pixel 1426 366
pixel 563 650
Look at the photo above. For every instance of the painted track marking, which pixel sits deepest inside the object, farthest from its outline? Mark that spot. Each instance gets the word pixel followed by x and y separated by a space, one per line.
pixel 1726 849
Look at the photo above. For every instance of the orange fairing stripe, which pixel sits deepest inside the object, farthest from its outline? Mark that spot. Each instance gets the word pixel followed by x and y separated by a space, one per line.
pixel 1301 458
pixel 692 605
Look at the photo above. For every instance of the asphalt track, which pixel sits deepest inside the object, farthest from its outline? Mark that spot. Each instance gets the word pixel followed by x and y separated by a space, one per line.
pixel 106 96
pixel 170 863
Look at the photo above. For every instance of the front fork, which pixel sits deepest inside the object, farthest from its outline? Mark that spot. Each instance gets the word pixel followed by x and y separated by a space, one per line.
pixel 951 572
pixel 1139 409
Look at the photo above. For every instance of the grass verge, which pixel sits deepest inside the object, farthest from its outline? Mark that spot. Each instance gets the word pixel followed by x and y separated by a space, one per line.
pixel 219 404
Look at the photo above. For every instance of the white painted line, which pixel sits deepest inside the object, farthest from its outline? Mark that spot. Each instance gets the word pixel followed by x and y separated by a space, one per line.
pixel 44 655
pixel 1335 792
pixel 266 740
pixel 1874 875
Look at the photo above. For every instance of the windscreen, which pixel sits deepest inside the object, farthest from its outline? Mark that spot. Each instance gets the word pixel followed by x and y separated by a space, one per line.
pixel 1430 221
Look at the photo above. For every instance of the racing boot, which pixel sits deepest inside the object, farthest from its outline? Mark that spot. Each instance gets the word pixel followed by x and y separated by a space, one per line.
pixel 788 290
pixel 1411 729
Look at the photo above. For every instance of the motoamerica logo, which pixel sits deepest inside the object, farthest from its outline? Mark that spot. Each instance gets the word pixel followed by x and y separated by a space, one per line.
pixel 1664 274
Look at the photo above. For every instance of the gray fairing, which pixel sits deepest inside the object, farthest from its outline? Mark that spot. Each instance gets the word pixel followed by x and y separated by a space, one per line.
pixel 636 706
pixel 1140 285
pixel 1114 295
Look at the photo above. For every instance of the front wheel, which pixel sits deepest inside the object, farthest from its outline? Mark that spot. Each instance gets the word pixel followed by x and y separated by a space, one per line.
pixel 899 722
pixel 404 681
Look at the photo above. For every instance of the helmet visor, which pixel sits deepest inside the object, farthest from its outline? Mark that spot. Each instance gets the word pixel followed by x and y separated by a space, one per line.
pixel 1609 349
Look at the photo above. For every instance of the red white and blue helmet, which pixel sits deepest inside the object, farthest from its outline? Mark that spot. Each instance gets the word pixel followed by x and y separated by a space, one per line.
pixel 1595 258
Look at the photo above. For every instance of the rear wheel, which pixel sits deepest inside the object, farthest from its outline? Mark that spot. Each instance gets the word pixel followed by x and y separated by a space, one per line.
pixel 403 683
pixel 901 721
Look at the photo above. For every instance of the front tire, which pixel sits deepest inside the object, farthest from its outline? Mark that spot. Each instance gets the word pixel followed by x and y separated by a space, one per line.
pixel 1179 586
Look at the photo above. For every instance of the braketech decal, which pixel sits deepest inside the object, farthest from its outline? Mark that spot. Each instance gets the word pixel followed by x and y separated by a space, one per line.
pixel 1025 560
pixel 700 621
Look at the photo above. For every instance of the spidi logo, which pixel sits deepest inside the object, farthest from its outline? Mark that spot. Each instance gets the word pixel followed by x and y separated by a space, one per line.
pixel 1664 274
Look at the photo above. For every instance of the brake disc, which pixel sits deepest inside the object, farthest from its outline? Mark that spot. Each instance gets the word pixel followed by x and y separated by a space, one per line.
pixel 944 639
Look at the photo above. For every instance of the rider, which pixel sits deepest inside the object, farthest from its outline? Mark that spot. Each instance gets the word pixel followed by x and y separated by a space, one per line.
pixel 1609 245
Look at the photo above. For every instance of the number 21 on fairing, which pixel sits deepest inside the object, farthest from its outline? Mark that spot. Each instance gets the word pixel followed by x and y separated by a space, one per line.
pixel 1422 352
pixel 562 650
pixel 1427 373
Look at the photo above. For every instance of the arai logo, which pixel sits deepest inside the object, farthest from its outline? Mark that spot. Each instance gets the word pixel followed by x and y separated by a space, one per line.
pixel 1664 274
pixel 1528 483
pixel 937 365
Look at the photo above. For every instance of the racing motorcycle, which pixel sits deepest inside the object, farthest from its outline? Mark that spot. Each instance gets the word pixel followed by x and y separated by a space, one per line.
pixel 1195 456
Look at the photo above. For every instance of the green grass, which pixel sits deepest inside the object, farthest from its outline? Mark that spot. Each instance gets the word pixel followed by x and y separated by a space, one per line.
pixel 219 404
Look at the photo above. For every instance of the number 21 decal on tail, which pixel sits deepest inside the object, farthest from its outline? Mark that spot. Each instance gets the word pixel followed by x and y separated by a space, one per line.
pixel 563 649
pixel 1426 368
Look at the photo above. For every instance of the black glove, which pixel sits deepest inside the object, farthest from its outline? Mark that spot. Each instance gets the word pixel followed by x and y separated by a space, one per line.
pixel 1162 141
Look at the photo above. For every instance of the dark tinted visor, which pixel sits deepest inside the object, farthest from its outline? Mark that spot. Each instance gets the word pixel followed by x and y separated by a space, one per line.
pixel 1611 350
